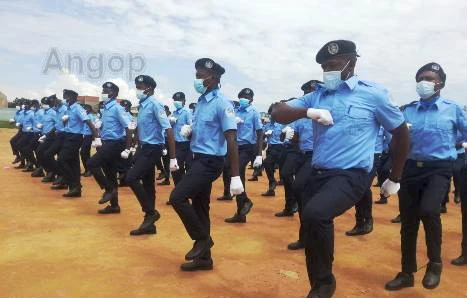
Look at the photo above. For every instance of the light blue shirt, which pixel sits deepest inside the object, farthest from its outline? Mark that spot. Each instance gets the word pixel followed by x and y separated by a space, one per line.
pixel 214 115
pixel 358 109
pixel 387 141
pixel 304 128
pixel 379 141
pixel 114 121
pixel 27 121
pixel 434 129
pixel 246 130
pixel 460 140
pixel 184 117
pixel 60 112
pixel 152 120
pixel 77 116
pixel 18 116
pixel 275 138
pixel 49 120
pixel 86 129
pixel 38 120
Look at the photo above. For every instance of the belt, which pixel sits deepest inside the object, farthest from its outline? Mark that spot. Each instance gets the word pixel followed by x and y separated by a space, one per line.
pixel 202 155
pixel 321 170
pixel 307 153
pixel 113 141
pixel 147 145
pixel 246 146
pixel 429 164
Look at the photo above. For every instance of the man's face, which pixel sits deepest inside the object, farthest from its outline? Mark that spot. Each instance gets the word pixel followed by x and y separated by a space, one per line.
pixel 207 76
pixel 109 91
pixel 339 63
pixel 430 76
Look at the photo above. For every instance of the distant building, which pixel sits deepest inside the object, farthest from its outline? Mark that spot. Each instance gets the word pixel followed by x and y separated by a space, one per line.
pixel 3 101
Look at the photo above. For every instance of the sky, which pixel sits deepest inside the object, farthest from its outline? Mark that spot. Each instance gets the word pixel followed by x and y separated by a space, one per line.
pixel 266 45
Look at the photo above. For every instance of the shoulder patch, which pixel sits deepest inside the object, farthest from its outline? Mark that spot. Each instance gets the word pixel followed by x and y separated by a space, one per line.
pixel 229 112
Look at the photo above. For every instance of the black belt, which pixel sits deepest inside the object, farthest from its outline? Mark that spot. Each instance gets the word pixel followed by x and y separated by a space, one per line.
pixel 429 164
pixel 307 153
pixel 113 141
pixel 202 155
pixel 321 170
pixel 147 145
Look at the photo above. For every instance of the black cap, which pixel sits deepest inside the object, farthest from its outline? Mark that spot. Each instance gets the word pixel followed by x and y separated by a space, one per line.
pixel 246 92
pixel 310 85
pixel 146 80
pixel 434 67
pixel 125 103
pixel 52 97
pixel 192 105
pixel 179 96
pixel 209 64
pixel 70 93
pixel 44 100
pixel 336 48
pixel 111 86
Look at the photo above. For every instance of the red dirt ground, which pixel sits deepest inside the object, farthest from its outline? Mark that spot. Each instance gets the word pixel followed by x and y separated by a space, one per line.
pixel 53 247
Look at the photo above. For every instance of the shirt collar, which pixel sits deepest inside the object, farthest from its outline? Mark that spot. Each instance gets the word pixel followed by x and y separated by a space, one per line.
pixel 210 95
pixel 351 82
pixel 435 104
pixel 145 102
pixel 110 103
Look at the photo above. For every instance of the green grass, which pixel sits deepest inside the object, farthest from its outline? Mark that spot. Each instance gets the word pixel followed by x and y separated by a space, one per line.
pixel 5 124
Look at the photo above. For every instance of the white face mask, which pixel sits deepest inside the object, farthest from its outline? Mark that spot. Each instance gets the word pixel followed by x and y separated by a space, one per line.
pixel 18 108
pixel 104 97
pixel 333 79
pixel 46 107
pixel 140 94
pixel 425 89
pixel 23 107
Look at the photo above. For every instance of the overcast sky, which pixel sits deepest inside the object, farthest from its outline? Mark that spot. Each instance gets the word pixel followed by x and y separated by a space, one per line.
pixel 267 45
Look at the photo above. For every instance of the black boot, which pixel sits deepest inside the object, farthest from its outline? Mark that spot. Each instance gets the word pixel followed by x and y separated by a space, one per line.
pixel 382 200
pixel 108 195
pixel 402 280
pixel 109 209
pixel 59 187
pixel 147 226
pixel 50 177
pixel 396 219
pixel 432 275
pixel 457 198
pixel 39 172
pixel 197 264
pixel 20 166
pixel 443 209
pixel 87 174
pixel 254 178
pixel 73 193
pixel 17 160
pixel 362 227
pixel 460 261
pixel 28 168
pixel 323 290
pixel 246 208
pixel 236 219
pixel 284 213
pixel 296 245
pixel 269 193
pixel 225 198
pixel 200 248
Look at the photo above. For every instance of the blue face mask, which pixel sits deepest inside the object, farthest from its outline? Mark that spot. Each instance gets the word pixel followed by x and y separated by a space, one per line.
pixel 243 102
pixel 178 104
pixel 199 86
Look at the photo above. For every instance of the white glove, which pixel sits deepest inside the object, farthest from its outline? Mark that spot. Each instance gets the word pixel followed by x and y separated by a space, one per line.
pixel 173 120
pixel 289 132
pixel 125 154
pixel 164 152
pixel 39 125
pixel 97 143
pixel 239 120
pixel 389 188
pixel 133 150
pixel 98 124
pixel 42 139
pixel 409 125
pixel 174 165
pixel 12 121
pixel 29 128
pixel 268 132
pixel 132 125
pixel 185 131
pixel 18 124
pixel 65 118
pixel 236 186
pixel 464 145
pixel 320 115
pixel 258 161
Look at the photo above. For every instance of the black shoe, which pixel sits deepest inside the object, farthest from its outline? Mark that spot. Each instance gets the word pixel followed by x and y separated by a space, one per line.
pixel 87 174
pixel 402 280
pixel 382 200
pixel 73 193
pixel 236 219
pixel 20 166
pixel 197 264
pixel 457 198
pixel 149 220
pixel 296 245
pixel 396 219
pixel 284 213
pixel 361 228
pixel 17 160
pixel 443 209
pixel 39 172
pixel 200 247
pixel 109 210
pixel 432 275
pixel 246 208
pixel 269 193
pixel 50 177
pixel 146 231
pixel 460 261
pixel 28 168
pixel 59 187
pixel 165 182
pixel 58 180
pixel 254 178
pixel 225 198
pixel 168 203
pixel 280 183
pixel 320 290
pixel 108 195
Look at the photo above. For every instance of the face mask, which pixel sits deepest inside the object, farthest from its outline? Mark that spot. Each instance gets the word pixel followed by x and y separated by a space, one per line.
pixel 199 86
pixel 425 89
pixel 104 97
pixel 243 102
pixel 141 95
pixel 33 108
pixel 333 79
pixel 23 107
pixel 178 105
pixel 46 107
pixel 18 108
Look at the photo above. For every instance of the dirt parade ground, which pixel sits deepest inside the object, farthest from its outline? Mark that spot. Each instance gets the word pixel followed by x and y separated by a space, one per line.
pixel 56 247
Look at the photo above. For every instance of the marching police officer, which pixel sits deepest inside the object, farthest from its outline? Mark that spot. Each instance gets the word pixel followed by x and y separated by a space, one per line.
pixel 17 119
pixel 27 135
pixel 48 135
pixel 112 141
pixel 151 124
pixel 434 124
pixel 462 259
pixel 38 130
pixel 180 117
pixel 249 138
pixel 347 114
pixel 85 150
pixel 213 135
pixel 68 158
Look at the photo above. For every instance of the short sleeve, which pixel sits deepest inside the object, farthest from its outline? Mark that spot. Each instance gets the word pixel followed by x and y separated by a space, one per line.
pixel 303 102
pixel 121 117
pixel 82 115
pixel 461 122
pixel 257 121
pixel 387 113
pixel 226 116
pixel 189 118
pixel 161 116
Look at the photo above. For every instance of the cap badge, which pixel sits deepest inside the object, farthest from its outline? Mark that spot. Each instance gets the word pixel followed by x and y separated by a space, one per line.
pixel 333 48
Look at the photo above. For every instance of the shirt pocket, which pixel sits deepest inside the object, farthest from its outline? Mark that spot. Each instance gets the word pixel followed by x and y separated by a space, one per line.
pixel 358 119
pixel 207 126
